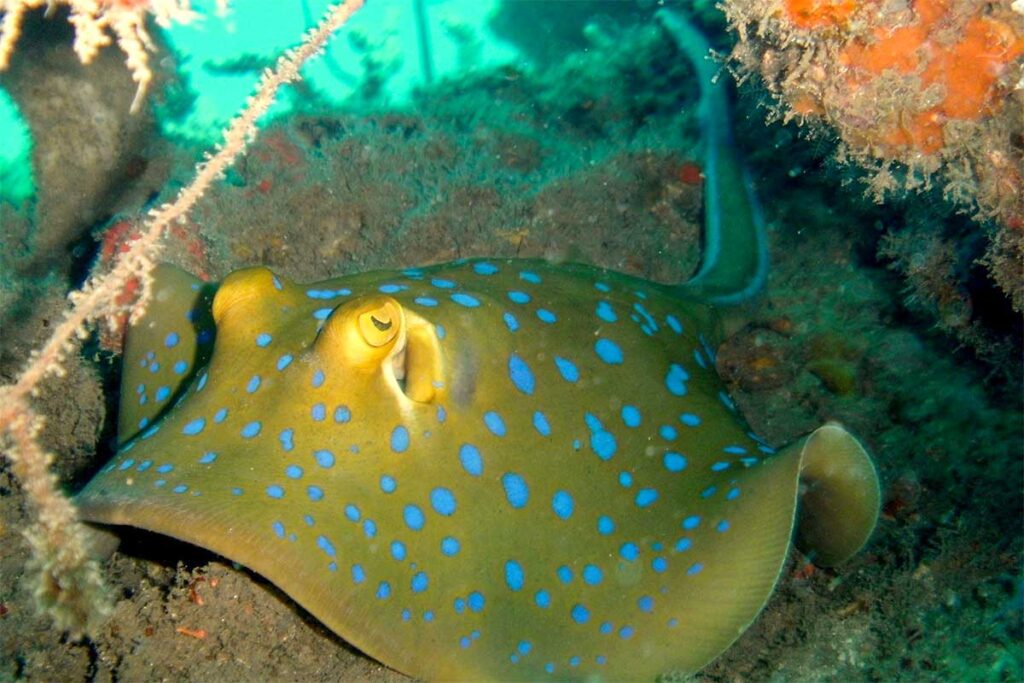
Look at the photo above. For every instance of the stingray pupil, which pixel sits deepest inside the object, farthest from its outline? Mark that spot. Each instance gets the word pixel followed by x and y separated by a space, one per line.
pixel 381 325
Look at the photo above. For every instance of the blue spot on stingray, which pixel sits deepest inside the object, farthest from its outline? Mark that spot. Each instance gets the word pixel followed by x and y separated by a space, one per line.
pixel 220 415
pixel 318 412
pixel 324 458
pixel 442 414
pixel 602 287
pixel 253 385
pixel 675 380
pixel 605 525
pixel 542 599
pixel 325 544
pixel 674 462
pixel 180 488
pixel 510 321
pixel 592 575
pixel 369 528
pixel 476 601
pixel 352 513
pixel 286 439
pixel 735 450
pixel 563 504
pixel 485 268
pixel 392 288
pixel 514 577
pixel 726 401
pixel 564 574
pixel 719 466
pixel 293 472
pixel 419 582
pixel 323 313
pixel 398 550
pixel 659 564
pixel 201 383
pixel 629 551
pixel 388 483
pixel 144 465
pixel 626 632
pixel 683 544
pixel 383 590
pixel 439 330
pixel 690 420
pixel 519 372
pixel 546 316
pixel 516 490
pixel 443 501
pixel 399 439
pixel 194 427
pixel 318 379
pixel 315 493
pixel 645 497
pixel 694 569
pixel 668 432
pixel 540 423
pixel 162 393
pixel 358 573
pixel 252 429
pixel 284 361
pixel 722 526
pixel 471 461
pixel 467 300
pixel 126 464
pixel 625 479
pixel 733 494
pixel 442 284
pixel 530 277
pixel 608 351
pixel 278 529
pixel 580 614
pixel 275 491
pixel 605 312
pixel 342 414
pixel 165 468
pixel 567 369
pixel 674 323
pixel 450 546
pixel 691 522
pixel 494 423
pixel 171 340
pixel 180 367
pixel 518 297
pixel 708 492
pixel 602 442
pixel 413 516
pixel 630 416
pixel 606 627
pixel 427 301
pixel 263 339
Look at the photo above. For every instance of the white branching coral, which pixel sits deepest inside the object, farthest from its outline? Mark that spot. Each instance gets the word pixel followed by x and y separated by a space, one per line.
pixel 97 23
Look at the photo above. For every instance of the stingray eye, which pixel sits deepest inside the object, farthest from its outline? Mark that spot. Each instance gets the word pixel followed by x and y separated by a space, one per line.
pixel 379 326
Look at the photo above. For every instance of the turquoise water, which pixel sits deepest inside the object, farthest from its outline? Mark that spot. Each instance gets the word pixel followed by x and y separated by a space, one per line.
pixel 383 32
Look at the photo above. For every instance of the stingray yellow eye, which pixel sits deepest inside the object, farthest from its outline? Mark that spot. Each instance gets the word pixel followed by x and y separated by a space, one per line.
pixel 379 326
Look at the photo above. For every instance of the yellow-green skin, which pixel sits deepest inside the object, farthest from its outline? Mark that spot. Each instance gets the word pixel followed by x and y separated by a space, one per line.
pixel 637 528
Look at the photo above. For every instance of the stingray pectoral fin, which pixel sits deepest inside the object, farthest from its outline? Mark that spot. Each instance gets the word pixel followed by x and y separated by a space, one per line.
pixel 164 348
pixel 840 502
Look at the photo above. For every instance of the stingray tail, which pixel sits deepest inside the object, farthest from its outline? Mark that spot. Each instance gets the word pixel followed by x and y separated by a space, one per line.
pixel 735 260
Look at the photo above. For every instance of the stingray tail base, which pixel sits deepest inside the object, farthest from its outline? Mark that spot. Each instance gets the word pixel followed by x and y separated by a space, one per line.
pixel 840 495
pixel 734 265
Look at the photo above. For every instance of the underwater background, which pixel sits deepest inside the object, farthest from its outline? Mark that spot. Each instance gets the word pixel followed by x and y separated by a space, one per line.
pixel 442 129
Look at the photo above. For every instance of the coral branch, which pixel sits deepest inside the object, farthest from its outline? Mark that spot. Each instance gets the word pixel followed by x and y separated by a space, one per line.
pixel 68 582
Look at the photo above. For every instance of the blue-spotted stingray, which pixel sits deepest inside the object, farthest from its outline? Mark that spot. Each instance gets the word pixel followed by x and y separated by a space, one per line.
pixel 487 469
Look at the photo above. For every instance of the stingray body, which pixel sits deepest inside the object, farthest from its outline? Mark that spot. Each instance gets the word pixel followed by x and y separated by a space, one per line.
pixel 488 469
